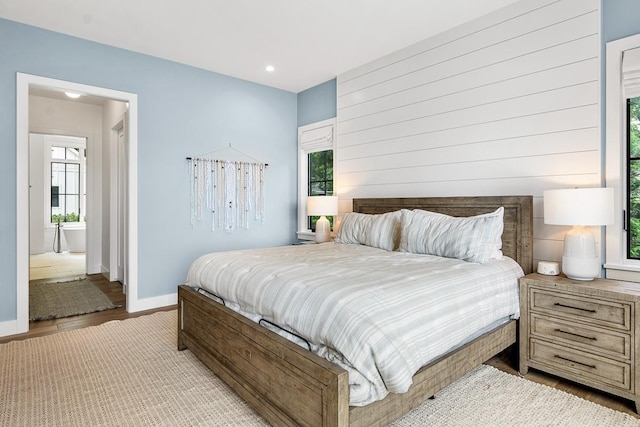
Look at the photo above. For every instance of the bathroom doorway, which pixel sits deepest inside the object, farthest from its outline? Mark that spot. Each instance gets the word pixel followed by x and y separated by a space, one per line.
pixel 57 206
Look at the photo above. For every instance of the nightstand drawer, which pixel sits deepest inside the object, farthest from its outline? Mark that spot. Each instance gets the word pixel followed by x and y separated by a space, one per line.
pixel 591 339
pixel 580 366
pixel 592 310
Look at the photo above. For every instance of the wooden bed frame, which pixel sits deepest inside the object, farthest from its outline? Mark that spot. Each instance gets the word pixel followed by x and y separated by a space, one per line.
pixel 289 385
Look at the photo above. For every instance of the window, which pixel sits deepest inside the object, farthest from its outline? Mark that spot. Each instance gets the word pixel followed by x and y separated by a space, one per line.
pixel 68 182
pixel 632 130
pixel 320 182
pixel 316 165
pixel 623 157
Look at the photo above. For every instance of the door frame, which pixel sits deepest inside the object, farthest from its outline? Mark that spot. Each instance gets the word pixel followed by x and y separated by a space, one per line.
pixel 117 222
pixel 23 81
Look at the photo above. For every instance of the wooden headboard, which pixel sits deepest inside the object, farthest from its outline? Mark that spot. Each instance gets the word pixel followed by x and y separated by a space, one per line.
pixel 517 237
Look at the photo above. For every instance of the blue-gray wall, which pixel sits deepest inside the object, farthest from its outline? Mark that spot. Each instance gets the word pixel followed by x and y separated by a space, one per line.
pixel 183 111
pixel 620 18
pixel 317 103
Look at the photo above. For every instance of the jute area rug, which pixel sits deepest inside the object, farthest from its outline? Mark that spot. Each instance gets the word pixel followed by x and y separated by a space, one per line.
pixel 129 373
pixel 53 300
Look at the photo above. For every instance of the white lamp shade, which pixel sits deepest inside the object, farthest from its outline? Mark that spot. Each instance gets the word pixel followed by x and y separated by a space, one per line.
pixel 579 206
pixel 322 205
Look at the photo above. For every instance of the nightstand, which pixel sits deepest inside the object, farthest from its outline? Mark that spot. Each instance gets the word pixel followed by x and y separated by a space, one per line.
pixel 583 331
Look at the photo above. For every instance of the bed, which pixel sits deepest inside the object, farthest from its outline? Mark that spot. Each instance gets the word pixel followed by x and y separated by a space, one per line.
pixel 290 385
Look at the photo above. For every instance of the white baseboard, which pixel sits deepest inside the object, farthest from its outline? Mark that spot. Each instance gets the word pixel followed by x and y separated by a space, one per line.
pixel 94 269
pixel 151 303
pixel 105 272
pixel 10 327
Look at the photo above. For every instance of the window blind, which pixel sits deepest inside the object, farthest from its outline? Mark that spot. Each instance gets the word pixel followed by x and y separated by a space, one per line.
pixel 316 139
pixel 631 73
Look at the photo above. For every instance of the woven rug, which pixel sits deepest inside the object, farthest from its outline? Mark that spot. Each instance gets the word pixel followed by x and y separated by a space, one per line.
pixel 130 373
pixel 53 300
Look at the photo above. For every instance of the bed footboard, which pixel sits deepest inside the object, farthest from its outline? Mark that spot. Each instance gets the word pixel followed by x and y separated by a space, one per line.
pixel 286 384
pixel 435 376
pixel 291 386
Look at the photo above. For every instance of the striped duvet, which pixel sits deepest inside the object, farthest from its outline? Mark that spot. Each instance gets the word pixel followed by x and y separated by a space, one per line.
pixel 380 315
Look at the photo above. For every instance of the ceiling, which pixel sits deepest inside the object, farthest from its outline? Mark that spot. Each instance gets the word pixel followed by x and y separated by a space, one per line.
pixel 60 95
pixel 307 42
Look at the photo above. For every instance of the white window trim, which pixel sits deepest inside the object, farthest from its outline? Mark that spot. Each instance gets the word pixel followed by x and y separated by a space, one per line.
pixel 304 148
pixel 617 265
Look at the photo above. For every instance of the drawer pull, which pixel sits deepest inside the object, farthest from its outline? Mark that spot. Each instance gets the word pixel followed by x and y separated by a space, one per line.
pixel 575 308
pixel 573 361
pixel 577 335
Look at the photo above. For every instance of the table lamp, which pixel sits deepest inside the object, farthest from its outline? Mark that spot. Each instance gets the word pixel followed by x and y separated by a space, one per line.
pixel 579 207
pixel 322 206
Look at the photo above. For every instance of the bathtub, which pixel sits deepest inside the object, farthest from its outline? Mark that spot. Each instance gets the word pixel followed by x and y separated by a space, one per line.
pixel 75 235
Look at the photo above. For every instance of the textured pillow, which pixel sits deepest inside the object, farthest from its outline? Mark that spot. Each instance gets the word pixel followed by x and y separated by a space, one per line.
pixel 474 239
pixel 378 231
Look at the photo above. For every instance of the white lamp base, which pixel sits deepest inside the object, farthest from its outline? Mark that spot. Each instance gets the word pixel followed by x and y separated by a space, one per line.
pixel 580 259
pixel 323 230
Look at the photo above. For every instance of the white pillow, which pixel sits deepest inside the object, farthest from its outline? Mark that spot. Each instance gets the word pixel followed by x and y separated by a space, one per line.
pixel 378 231
pixel 497 249
pixel 474 239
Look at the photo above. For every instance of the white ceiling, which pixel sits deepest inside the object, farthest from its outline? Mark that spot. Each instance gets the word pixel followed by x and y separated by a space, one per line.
pixel 308 42
pixel 60 95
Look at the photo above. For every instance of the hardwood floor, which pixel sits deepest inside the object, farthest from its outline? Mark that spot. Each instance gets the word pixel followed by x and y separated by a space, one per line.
pixel 113 291
pixel 505 361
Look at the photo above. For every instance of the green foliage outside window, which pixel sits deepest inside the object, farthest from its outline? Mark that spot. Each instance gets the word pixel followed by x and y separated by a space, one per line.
pixel 321 173
pixel 70 217
pixel 634 177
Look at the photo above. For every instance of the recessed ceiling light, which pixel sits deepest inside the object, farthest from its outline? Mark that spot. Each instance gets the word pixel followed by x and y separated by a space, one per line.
pixel 270 68
pixel 72 95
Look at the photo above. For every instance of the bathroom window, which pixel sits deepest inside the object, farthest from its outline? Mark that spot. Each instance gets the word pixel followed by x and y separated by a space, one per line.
pixel 68 179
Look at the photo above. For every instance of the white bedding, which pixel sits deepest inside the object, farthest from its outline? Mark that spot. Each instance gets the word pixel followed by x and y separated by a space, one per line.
pixel 380 315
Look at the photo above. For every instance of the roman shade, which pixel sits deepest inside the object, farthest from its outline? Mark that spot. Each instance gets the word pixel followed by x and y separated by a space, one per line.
pixel 631 72
pixel 316 139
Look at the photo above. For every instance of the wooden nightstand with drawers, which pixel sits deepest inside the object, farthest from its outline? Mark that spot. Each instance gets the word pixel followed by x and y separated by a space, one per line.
pixel 586 332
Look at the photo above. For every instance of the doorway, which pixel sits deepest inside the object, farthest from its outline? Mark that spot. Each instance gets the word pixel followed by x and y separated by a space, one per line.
pixel 57 206
pixel 26 82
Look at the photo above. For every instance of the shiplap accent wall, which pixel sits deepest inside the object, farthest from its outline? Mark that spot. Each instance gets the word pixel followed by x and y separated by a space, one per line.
pixel 505 105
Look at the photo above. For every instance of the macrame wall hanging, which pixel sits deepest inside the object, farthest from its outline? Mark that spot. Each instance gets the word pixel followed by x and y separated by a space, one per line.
pixel 232 192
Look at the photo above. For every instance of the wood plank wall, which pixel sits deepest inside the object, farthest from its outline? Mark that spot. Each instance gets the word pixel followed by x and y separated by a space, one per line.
pixel 505 105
